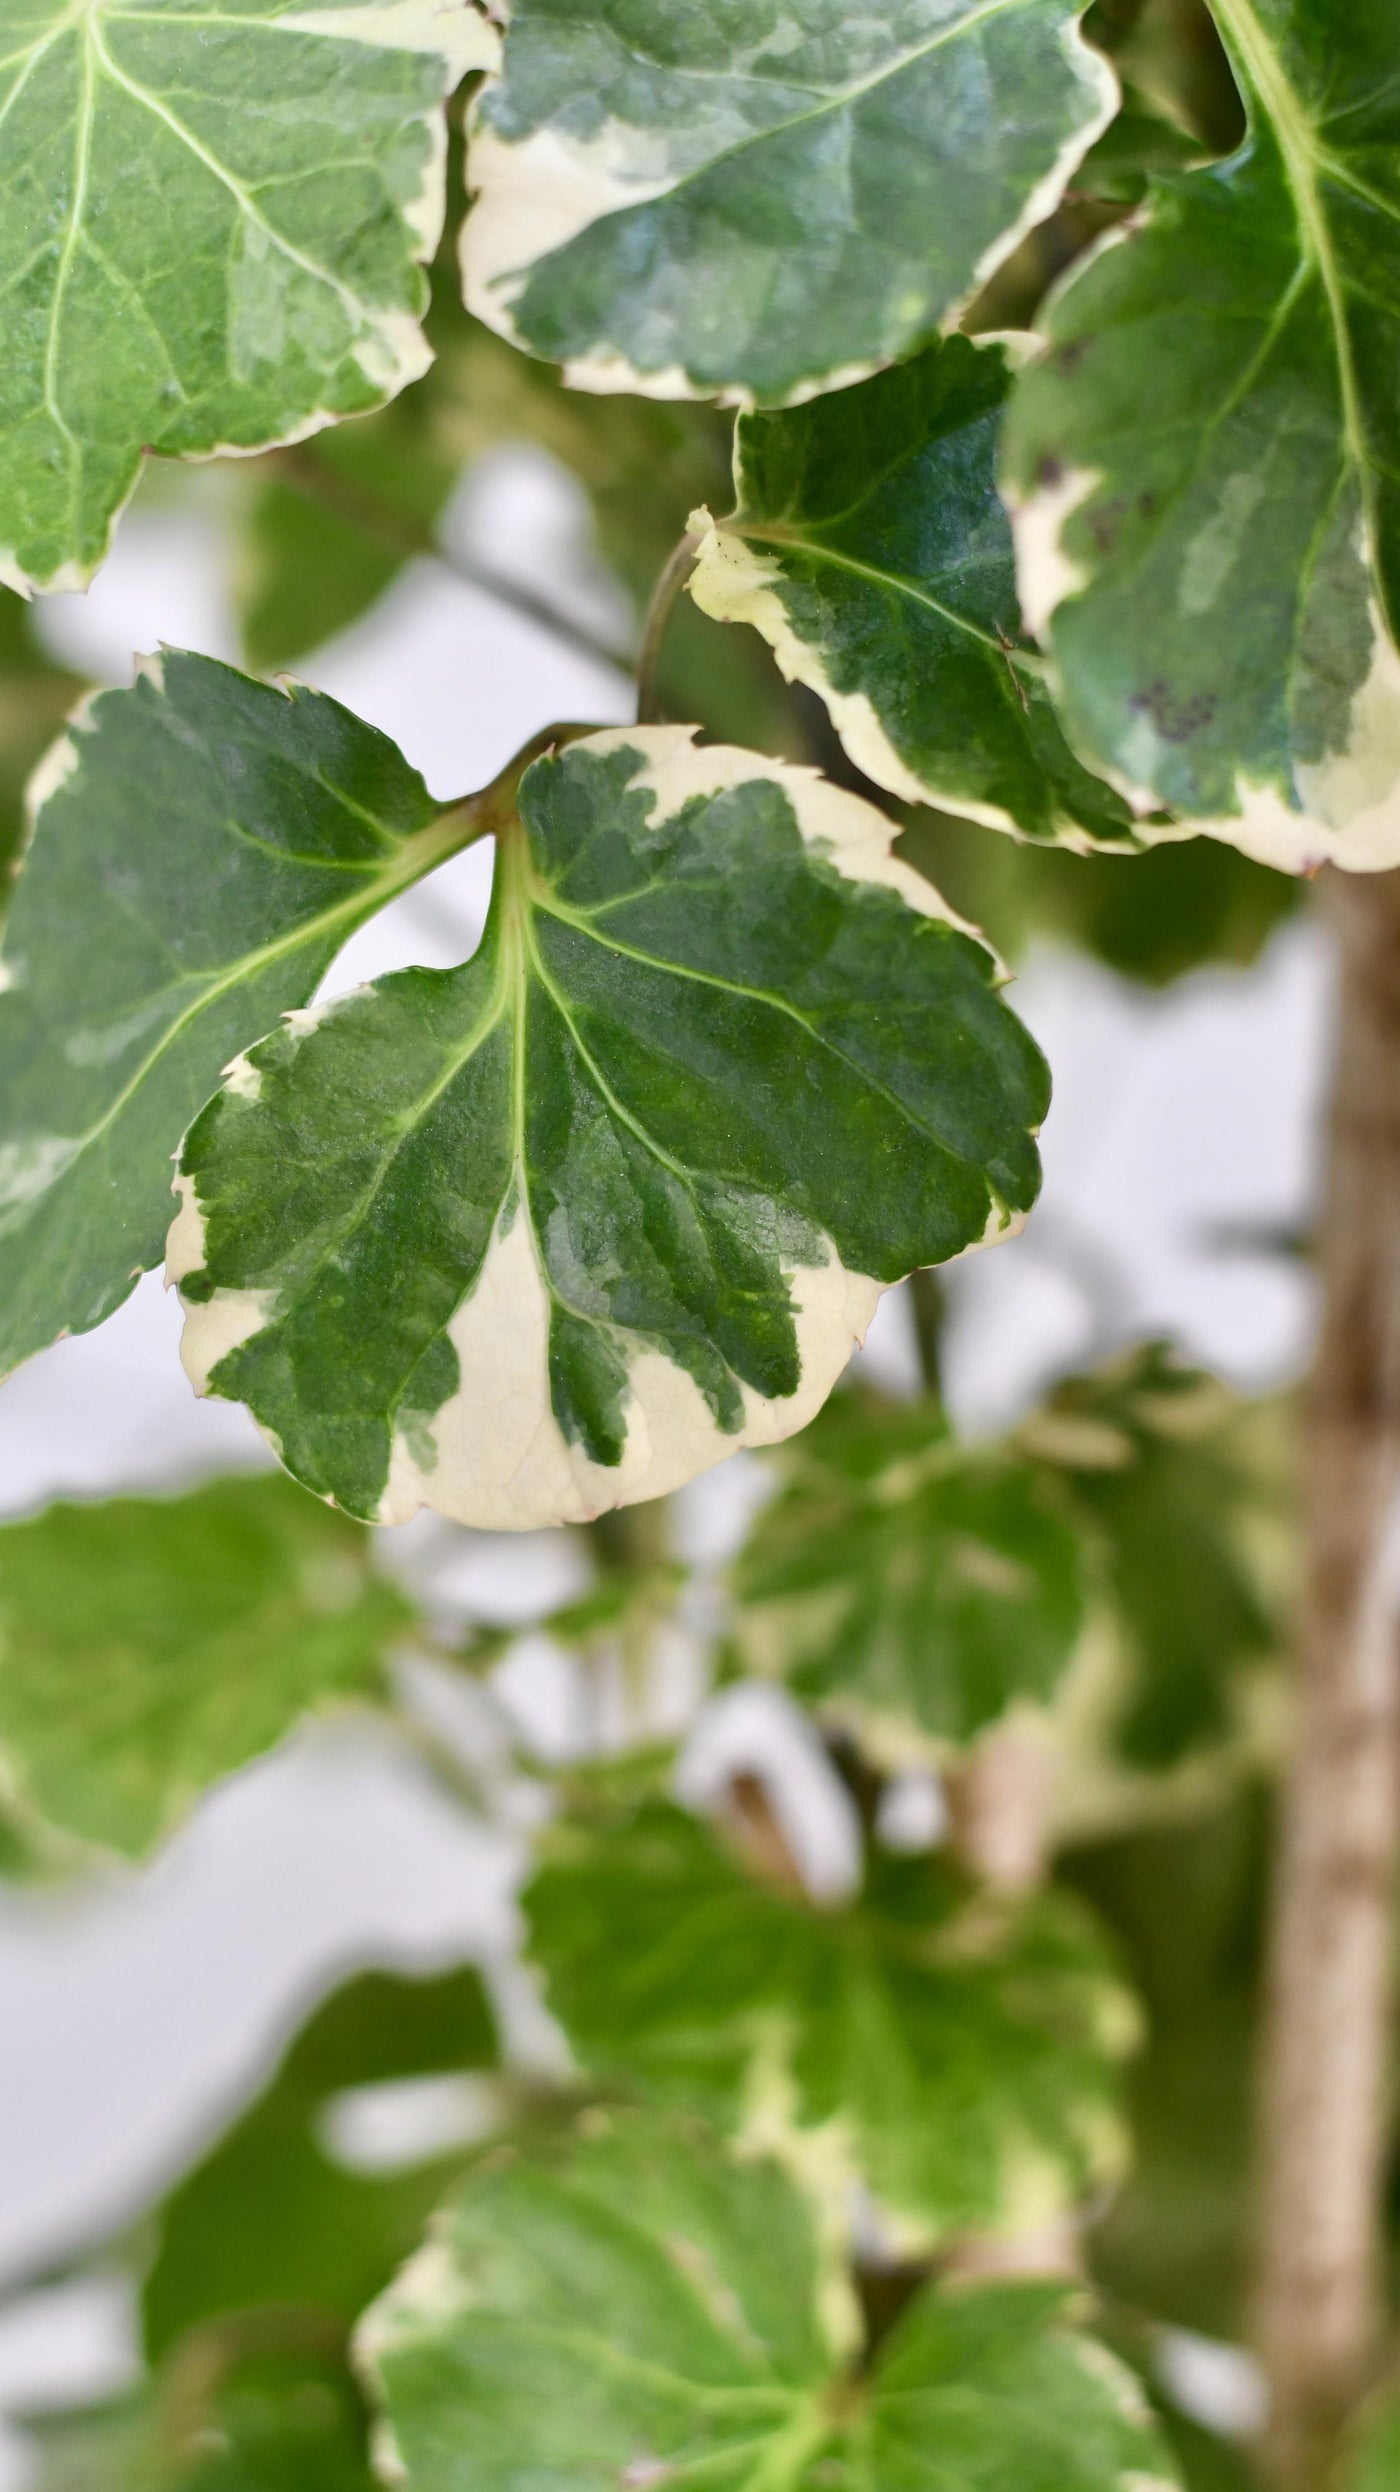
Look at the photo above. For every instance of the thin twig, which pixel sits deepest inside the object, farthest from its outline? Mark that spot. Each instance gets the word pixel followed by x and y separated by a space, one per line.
pixel 658 615
pixel 309 475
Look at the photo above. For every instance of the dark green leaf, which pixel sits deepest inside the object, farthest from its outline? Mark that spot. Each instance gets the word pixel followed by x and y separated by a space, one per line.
pixel 333 523
pixel 149 1646
pixel 642 2310
pixel 1153 915
pixel 557 1229
pixel 965 2053
pixel 1186 1904
pixel 268 2220
pixel 709 201
pixel 35 699
pixel 1205 464
pixel 236 2415
pixel 870 548
pixel 202 847
pixel 901 1574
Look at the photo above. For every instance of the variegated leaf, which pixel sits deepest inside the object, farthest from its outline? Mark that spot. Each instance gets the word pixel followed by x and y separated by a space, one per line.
pixel 201 847
pixel 761 202
pixel 215 214
pixel 1203 467
pixel 870 548
pixel 958 2060
pixel 559 1228
pixel 637 2308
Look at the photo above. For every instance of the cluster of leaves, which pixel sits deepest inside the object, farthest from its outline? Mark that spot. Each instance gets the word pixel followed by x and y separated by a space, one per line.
pixel 950 2058
pixel 549 1232
pixel 900 1577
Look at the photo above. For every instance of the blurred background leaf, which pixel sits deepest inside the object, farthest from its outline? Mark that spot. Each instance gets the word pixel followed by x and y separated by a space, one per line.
pixel 150 1645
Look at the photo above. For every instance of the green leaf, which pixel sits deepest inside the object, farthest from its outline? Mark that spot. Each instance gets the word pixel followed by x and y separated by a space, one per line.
pixel 265 2254
pixel 332 525
pixel 559 1228
pixel 871 550
pixel 202 846
pixel 1203 467
pixel 960 2058
pixel 238 2416
pixel 641 2309
pixel 1151 1452
pixel 215 214
pixel 1151 915
pixel 35 699
pixel 107 2450
pixel 1139 141
pixel 902 1575
pixel 1187 1903
pixel 268 2221
pixel 150 1645
pixel 643 463
pixel 1375 2446
pixel 271 2418
pixel 712 201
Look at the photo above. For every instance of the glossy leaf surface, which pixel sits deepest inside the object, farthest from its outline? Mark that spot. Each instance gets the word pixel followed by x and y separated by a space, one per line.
pixel 966 2058
pixel 202 846
pixel 149 1646
pixel 560 1228
pixel 215 215
pixel 899 1574
pixel 641 2307
pixel 1205 464
pixel 870 547
pixel 763 203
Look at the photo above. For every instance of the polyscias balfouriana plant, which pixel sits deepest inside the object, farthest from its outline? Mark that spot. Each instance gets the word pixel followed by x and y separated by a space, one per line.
pixel 992 409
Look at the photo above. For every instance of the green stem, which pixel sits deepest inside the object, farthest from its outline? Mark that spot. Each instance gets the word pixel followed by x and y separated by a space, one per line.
pixel 658 615
pixel 929 1306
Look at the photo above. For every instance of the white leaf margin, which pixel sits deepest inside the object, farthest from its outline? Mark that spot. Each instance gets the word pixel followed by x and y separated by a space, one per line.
pixel 533 196
pixel 394 351
pixel 502 1462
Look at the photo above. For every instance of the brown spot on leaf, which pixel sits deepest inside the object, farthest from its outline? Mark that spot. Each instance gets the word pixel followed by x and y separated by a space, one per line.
pixel 1104 523
pixel 1176 721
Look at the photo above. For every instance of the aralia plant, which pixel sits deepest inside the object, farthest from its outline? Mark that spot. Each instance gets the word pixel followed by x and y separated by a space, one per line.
pixel 992 410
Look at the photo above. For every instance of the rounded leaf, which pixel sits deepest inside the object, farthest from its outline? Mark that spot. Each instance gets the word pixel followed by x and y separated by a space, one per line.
pixel 558 1229
pixel 761 203
pixel 215 215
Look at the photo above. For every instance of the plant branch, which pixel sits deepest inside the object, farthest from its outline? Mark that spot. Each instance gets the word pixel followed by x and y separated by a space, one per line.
pixel 673 578
pixel 492 808
pixel 364 509
pixel 1330 1997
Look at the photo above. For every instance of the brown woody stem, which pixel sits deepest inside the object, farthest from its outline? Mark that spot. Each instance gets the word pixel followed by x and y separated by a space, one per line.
pixel 1328 2014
